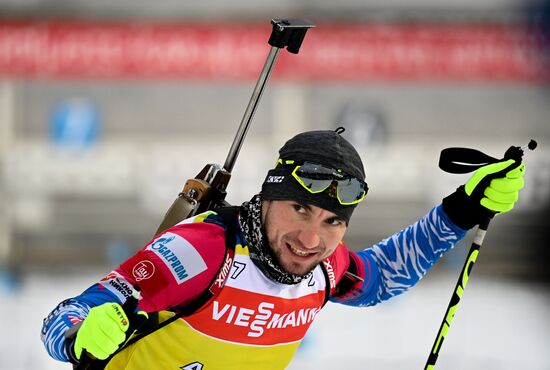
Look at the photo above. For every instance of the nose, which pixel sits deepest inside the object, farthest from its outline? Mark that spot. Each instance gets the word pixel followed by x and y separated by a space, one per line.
pixel 309 236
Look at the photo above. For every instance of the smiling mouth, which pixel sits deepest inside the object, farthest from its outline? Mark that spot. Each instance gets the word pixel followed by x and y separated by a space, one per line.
pixel 299 252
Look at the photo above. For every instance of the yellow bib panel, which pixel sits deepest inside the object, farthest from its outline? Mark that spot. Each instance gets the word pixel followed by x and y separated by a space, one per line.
pixel 253 323
pixel 178 345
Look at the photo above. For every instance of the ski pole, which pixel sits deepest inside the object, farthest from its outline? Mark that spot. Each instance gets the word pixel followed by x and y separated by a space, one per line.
pixel 457 294
pixel 464 161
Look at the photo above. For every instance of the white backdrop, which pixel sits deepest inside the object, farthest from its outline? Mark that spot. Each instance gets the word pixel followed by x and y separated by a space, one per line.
pixel 498 325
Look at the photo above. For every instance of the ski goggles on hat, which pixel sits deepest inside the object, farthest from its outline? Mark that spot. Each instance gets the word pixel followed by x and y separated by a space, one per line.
pixel 316 178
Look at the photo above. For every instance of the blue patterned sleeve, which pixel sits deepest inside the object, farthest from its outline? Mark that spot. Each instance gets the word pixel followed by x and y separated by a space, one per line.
pixel 397 263
pixel 70 312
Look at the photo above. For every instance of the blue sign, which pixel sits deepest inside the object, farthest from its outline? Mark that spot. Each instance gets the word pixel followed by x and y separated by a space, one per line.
pixel 75 124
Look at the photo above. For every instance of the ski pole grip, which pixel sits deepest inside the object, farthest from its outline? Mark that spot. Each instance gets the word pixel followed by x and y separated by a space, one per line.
pixel 289 33
pixel 465 160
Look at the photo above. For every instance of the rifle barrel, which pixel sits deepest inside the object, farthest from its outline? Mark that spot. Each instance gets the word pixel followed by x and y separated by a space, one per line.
pixel 251 109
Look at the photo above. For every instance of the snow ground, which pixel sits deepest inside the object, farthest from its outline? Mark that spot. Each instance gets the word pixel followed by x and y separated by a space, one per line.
pixel 498 325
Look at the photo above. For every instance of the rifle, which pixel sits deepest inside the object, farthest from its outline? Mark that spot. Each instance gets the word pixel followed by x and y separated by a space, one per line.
pixel 207 190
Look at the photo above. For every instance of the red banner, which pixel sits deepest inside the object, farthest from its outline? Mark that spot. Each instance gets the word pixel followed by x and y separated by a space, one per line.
pixel 331 52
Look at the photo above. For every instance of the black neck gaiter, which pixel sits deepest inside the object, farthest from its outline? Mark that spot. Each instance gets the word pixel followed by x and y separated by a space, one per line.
pixel 250 220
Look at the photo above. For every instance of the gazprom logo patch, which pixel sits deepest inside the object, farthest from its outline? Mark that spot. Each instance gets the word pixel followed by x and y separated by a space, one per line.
pixel 181 258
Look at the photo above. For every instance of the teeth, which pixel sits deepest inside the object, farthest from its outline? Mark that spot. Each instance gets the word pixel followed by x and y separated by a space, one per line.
pixel 298 252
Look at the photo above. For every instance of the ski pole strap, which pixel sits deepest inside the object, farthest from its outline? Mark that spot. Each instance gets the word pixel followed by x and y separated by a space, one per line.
pixel 463 160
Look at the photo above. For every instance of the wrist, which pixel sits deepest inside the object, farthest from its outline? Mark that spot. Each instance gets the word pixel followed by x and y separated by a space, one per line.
pixel 464 211
pixel 70 338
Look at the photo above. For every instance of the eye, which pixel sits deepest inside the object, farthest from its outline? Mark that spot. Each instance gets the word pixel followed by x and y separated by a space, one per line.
pixel 299 208
pixel 336 221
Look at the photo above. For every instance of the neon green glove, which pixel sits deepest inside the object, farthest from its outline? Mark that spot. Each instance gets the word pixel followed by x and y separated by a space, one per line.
pixel 491 190
pixel 102 332
pixel 502 193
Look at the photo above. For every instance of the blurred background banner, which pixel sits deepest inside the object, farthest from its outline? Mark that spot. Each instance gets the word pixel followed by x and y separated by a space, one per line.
pixel 234 51
pixel 107 108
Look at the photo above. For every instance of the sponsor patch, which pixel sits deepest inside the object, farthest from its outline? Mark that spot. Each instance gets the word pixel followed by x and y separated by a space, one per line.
pixel 250 318
pixel 222 274
pixel 117 285
pixel 181 258
pixel 275 179
pixel 143 270
pixel 140 270
pixel 330 273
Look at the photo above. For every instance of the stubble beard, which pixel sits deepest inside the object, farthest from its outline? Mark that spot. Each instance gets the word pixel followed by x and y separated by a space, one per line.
pixel 290 266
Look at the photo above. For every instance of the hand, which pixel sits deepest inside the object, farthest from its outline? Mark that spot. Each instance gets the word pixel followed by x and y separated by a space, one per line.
pixel 102 332
pixel 502 193
pixel 491 190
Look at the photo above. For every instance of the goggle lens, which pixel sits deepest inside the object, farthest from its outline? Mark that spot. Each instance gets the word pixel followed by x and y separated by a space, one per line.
pixel 316 178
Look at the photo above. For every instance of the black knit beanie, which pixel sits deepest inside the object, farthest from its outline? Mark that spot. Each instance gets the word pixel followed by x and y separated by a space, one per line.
pixel 324 147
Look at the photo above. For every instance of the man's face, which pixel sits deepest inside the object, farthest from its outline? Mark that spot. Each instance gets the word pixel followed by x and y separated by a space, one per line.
pixel 300 235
